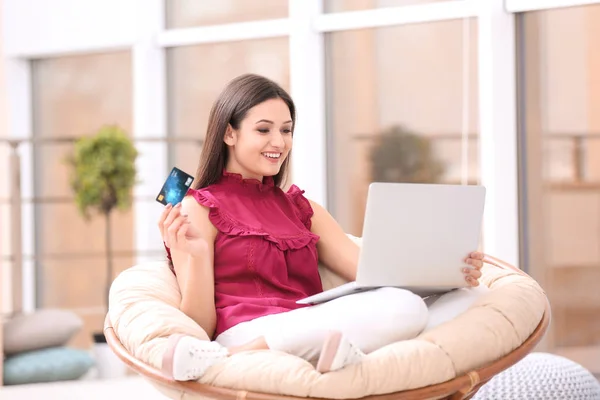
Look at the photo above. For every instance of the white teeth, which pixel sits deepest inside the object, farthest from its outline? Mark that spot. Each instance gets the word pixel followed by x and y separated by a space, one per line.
pixel 272 155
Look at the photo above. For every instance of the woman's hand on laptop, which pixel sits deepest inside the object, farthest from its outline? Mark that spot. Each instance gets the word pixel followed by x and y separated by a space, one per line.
pixel 473 269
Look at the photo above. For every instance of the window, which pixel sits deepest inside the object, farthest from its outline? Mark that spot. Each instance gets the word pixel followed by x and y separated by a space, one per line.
pixel 189 13
pixel 197 74
pixel 394 93
pixel 73 97
pixel 560 181
pixel 355 5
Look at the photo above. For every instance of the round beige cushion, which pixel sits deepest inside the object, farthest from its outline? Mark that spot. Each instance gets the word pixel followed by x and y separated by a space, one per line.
pixel 144 311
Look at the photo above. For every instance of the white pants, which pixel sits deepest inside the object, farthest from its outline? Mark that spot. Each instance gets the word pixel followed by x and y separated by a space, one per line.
pixel 370 320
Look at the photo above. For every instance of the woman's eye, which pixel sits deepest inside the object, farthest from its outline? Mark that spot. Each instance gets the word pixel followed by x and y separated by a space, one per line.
pixel 287 131
pixel 263 130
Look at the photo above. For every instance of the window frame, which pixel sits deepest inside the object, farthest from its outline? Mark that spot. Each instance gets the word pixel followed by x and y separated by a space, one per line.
pixel 516 6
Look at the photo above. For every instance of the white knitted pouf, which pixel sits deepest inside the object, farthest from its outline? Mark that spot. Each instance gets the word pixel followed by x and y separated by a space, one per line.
pixel 542 376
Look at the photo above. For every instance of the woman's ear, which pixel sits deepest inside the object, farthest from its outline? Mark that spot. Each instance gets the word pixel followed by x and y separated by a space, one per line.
pixel 230 137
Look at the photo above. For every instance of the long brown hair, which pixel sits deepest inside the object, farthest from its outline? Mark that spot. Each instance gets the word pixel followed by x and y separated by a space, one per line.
pixel 230 108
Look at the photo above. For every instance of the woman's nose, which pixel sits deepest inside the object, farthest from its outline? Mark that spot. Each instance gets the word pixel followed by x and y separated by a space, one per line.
pixel 277 140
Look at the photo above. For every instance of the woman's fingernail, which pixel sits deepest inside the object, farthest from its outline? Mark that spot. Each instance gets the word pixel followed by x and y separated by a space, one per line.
pixel 169 205
pixel 178 205
pixel 466 270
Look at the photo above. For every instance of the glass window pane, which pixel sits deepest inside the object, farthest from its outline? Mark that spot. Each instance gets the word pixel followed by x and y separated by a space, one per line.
pixel 5 289
pixel 82 236
pixel 395 93
pixel 85 295
pixel 5 236
pixel 72 264
pixel 74 96
pixel 197 74
pixel 188 13
pixel 5 152
pixel 5 260
pixel 355 5
pixel 4 200
pixel 560 88
pixel 53 172
pixel 87 276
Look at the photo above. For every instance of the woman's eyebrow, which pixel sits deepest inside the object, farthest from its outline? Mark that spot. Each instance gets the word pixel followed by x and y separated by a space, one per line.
pixel 271 122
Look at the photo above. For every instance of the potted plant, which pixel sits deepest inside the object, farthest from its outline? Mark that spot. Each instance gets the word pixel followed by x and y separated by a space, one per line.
pixel 103 175
pixel 400 155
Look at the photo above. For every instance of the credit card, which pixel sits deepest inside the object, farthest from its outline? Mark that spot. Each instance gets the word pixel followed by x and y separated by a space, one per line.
pixel 175 187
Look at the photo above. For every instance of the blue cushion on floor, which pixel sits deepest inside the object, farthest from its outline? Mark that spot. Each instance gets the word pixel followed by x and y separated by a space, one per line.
pixel 46 365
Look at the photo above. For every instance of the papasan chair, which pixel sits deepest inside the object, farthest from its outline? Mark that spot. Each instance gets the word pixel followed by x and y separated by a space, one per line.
pixel 452 360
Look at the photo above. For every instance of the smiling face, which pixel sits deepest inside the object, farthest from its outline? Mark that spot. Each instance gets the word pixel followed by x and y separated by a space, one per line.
pixel 262 141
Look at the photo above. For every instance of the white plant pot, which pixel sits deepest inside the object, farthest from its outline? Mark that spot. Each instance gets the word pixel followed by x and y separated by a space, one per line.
pixel 109 366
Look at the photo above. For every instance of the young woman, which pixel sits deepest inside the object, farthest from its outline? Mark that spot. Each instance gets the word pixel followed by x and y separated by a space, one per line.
pixel 244 251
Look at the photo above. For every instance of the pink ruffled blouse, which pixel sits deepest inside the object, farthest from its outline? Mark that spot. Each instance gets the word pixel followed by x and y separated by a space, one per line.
pixel 265 255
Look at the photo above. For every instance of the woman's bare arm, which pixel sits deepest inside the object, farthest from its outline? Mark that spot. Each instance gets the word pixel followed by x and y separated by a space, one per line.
pixel 193 254
pixel 336 250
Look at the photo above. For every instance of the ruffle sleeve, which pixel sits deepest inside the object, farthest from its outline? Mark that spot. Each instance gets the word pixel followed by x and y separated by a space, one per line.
pixel 303 207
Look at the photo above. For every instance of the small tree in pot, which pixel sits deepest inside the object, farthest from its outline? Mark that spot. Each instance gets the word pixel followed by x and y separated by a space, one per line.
pixel 103 176
pixel 403 156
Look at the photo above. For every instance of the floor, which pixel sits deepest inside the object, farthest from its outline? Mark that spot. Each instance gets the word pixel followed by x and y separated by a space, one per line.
pixel 127 388
pixel 117 389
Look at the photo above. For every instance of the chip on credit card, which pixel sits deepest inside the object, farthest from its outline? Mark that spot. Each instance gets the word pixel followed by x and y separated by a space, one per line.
pixel 175 187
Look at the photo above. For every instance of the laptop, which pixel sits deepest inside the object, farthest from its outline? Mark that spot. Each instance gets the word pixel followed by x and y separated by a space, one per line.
pixel 415 237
